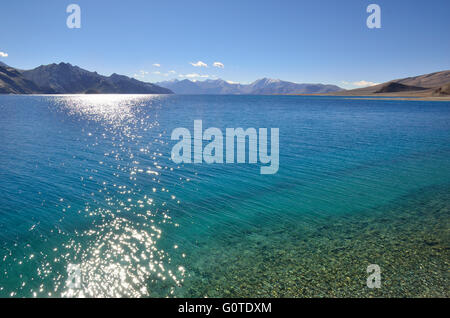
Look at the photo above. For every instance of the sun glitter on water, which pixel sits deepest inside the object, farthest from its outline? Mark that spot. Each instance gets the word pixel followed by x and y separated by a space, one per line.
pixel 119 257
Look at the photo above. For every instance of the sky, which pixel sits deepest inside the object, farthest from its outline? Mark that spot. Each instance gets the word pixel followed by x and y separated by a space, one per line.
pixel 320 41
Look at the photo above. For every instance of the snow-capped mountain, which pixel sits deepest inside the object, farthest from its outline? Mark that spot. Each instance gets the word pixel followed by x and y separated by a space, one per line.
pixel 264 86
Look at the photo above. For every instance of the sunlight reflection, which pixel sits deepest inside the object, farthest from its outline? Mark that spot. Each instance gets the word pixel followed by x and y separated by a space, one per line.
pixel 112 109
pixel 118 255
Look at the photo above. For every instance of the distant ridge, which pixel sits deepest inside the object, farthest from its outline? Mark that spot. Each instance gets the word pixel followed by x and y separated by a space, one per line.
pixel 430 80
pixel 434 84
pixel 397 87
pixel 264 86
pixel 64 78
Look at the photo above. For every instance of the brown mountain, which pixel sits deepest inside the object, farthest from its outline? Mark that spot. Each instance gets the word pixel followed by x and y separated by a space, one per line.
pixel 393 87
pixel 428 85
pixel 428 80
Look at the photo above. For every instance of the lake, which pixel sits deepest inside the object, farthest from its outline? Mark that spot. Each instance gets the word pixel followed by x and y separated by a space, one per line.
pixel 88 188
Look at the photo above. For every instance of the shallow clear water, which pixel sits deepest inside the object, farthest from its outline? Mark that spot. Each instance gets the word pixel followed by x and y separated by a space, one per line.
pixel 87 181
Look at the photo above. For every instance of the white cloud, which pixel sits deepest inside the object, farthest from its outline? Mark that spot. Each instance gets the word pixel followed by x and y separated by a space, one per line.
pixel 157 72
pixel 218 64
pixel 193 75
pixel 140 74
pixel 199 64
pixel 172 72
pixel 231 82
pixel 362 83
pixel 3 54
pixel 157 65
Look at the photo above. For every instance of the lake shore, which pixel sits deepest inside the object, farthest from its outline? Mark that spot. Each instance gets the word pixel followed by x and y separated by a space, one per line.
pixel 398 97
pixel 408 239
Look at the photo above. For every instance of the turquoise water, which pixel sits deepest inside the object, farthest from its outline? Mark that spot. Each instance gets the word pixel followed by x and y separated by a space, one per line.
pixel 87 181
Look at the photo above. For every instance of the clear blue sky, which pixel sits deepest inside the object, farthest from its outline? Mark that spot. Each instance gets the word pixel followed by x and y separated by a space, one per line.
pixel 302 41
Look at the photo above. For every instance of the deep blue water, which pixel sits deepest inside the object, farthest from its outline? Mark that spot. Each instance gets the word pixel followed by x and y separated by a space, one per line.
pixel 88 181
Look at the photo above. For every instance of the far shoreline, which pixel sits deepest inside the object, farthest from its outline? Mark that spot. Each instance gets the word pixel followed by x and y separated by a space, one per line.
pixel 382 97
pixel 362 97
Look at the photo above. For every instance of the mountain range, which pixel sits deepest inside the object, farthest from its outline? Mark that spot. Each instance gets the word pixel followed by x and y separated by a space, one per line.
pixel 264 86
pixel 64 78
